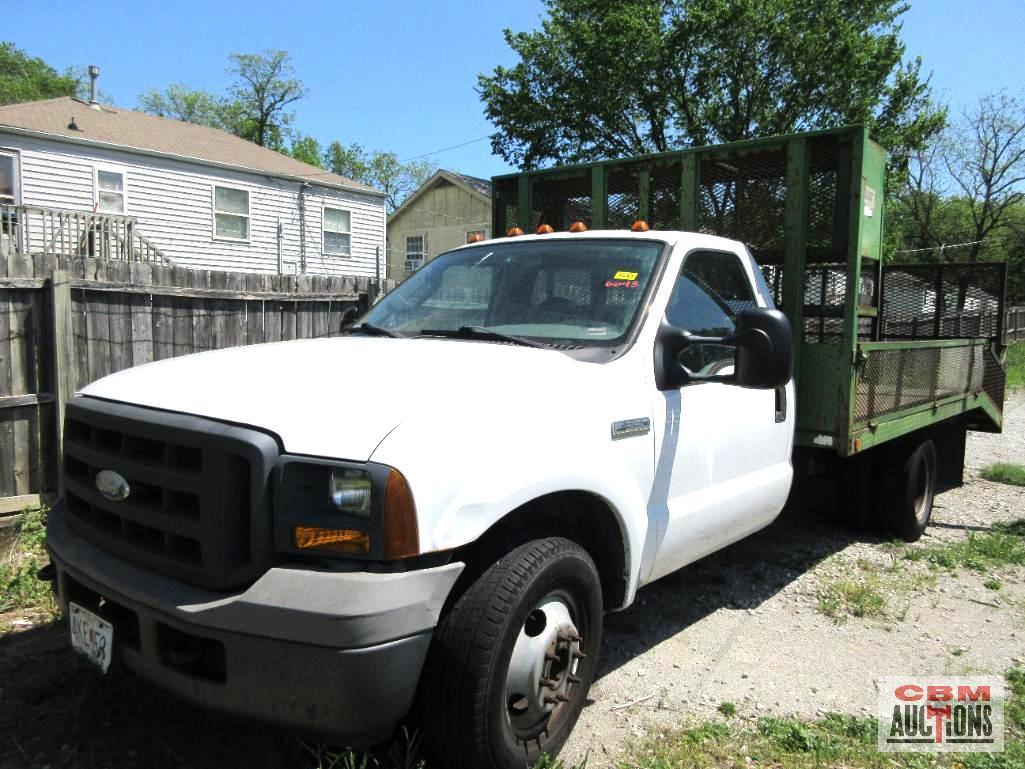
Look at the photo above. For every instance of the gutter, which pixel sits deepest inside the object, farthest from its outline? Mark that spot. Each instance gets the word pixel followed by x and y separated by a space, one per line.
pixel 184 158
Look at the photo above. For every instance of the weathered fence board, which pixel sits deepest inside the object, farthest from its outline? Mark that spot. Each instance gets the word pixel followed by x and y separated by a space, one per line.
pixel 67 322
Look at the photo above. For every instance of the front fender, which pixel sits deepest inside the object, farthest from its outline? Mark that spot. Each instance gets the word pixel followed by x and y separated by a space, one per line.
pixel 464 487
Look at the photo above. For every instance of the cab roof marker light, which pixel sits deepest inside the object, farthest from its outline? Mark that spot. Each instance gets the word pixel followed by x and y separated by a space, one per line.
pixel 578 227
pixel 545 229
pixel 474 237
pixel 639 226
pixel 513 232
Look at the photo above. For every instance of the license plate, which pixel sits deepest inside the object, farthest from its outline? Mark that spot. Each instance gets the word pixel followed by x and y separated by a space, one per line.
pixel 91 636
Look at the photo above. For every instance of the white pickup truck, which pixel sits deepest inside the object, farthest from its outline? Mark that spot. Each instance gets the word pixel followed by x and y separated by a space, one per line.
pixel 431 513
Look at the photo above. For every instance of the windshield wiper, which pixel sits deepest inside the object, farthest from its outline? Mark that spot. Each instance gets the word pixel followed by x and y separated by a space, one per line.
pixel 479 332
pixel 371 330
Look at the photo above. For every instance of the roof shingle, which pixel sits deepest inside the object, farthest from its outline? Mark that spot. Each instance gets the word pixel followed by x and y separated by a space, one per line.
pixel 141 132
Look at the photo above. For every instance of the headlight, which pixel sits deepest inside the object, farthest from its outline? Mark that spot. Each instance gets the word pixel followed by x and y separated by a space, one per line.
pixel 350 491
pixel 363 510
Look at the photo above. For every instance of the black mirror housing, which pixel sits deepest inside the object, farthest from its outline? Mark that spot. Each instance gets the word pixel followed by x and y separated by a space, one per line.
pixel 765 349
pixel 764 346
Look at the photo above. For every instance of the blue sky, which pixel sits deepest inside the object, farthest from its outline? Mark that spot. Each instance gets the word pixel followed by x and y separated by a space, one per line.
pixel 400 76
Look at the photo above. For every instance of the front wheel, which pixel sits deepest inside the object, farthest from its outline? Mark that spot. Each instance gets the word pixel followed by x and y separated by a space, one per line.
pixel 512 661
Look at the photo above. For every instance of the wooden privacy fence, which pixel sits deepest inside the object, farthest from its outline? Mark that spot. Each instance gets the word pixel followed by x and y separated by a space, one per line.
pixel 67 322
pixel 1014 325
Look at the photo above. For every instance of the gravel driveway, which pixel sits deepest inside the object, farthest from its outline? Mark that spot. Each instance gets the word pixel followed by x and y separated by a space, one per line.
pixel 743 626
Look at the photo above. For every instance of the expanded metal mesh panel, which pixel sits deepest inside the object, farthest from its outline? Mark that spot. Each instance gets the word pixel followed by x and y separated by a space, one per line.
pixel 894 380
pixel 994 379
pixel 664 196
pixel 773 274
pixel 624 198
pixel 560 202
pixel 506 193
pixel 942 301
pixel 826 230
pixel 744 197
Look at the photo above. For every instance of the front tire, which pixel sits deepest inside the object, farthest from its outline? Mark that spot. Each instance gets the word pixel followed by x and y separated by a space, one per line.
pixel 512 661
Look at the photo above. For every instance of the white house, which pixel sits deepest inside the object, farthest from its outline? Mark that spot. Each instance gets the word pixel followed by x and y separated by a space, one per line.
pixel 200 197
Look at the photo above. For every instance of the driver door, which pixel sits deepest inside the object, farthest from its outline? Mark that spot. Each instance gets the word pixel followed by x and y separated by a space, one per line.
pixel 723 451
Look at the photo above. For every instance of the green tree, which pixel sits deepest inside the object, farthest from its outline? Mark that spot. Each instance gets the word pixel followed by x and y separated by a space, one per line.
pixel 610 79
pixel 379 169
pixel 179 102
pixel 265 85
pixel 24 78
pixel 254 108
pixel 307 149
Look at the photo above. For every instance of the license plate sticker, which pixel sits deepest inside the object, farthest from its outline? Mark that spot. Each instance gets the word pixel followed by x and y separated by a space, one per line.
pixel 91 636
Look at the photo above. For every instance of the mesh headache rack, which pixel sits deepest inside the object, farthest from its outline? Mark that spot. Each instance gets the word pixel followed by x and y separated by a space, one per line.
pixel 881 349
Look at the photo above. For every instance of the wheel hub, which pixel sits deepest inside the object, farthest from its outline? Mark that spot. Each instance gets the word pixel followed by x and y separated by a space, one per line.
pixel 543 666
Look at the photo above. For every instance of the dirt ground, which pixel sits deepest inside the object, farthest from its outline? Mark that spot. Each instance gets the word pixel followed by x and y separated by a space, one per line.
pixel 743 626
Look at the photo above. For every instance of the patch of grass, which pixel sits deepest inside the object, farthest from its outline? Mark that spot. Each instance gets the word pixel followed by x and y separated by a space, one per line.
pixel 404 752
pixel 1005 472
pixel 856 597
pixel 993 584
pixel 20 559
pixel 1016 366
pixel 728 709
pixel 833 741
pixel 1003 545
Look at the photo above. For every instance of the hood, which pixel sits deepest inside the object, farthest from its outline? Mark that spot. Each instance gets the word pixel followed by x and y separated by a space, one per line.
pixel 340 397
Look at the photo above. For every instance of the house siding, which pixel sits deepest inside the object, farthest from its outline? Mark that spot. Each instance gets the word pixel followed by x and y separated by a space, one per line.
pixel 172 201
pixel 444 214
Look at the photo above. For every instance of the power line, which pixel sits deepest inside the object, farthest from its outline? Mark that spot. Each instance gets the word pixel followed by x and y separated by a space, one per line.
pixel 945 246
pixel 446 149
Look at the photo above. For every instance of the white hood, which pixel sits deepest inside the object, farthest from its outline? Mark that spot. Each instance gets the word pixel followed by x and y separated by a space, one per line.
pixel 340 397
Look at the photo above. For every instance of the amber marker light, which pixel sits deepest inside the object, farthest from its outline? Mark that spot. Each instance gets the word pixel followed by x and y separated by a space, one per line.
pixel 545 229
pixel 578 227
pixel 401 533
pixel 639 226
pixel 348 541
pixel 513 232
pixel 474 238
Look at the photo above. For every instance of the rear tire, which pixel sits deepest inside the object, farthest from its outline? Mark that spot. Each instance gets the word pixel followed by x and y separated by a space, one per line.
pixel 512 660
pixel 910 487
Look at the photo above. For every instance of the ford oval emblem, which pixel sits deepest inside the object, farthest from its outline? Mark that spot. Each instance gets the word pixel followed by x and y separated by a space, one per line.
pixel 112 485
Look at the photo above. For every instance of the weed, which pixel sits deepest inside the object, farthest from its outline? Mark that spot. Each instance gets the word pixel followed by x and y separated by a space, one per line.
pixel 1005 472
pixel 854 597
pixel 1016 366
pixel 1003 545
pixel 728 709
pixel 993 584
pixel 19 562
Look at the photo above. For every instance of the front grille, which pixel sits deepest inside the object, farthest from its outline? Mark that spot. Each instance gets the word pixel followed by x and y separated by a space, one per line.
pixel 198 505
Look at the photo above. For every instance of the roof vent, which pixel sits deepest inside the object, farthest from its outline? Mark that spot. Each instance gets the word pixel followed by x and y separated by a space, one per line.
pixel 73 126
pixel 94 74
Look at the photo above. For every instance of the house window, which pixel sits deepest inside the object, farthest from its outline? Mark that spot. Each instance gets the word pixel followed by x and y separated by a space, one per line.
pixel 472 236
pixel 110 192
pixel 231 213
pixel 337 232
pixel 416 251
pixel 8 172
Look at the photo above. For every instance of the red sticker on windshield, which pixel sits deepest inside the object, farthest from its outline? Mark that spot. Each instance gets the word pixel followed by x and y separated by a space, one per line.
pixel 621 284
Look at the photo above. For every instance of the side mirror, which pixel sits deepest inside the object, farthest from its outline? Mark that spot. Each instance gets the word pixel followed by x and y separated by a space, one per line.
pixel 764 356
pixel 349 315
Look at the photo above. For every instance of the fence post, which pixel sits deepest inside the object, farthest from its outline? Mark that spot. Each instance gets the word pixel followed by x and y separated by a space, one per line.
pixel 63 358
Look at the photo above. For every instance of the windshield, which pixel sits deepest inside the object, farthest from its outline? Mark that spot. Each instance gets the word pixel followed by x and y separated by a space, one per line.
pixel 583 292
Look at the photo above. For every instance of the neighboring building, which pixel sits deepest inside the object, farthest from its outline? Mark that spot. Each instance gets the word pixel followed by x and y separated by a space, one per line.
pixel 439 216
pixel 199 196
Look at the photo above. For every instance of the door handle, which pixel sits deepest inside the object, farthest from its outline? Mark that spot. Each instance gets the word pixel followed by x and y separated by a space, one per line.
pixel 781 404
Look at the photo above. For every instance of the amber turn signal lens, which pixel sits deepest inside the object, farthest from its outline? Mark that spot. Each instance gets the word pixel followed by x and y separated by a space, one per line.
pixel 639 226
pixel 578 227
pixel 545 229
pixel 332 540
pixel 513 232
pixel 401 533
